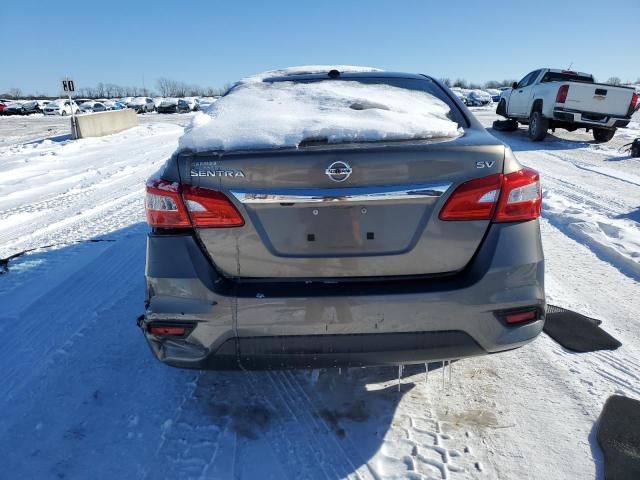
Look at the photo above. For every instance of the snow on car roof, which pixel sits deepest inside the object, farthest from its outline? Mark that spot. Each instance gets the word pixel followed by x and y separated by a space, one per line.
pixel 308 70
pixel 257 114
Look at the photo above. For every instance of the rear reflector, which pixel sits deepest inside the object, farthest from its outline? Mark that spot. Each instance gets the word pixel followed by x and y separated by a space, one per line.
pixel 170 205
pixel 502 198
pixel 167 330
pixel 521 316
pixel 561 96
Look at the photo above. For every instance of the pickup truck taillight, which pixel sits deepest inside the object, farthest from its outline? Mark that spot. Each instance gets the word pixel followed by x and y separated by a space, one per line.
pixel 170 205
pixel 561 96
pixel 634 101
pixel 512 197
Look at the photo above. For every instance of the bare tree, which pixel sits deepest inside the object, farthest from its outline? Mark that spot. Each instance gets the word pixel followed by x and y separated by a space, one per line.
pixel 446 81
pixel 99 90
pixel 614 81
pixel 166 86
pixel 14 93
pixel 460 83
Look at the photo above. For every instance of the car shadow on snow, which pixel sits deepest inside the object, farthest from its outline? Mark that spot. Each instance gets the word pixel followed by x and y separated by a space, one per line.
pixel 298 423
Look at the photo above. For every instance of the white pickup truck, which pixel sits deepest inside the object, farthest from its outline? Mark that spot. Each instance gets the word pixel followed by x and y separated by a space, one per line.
pixel 549 99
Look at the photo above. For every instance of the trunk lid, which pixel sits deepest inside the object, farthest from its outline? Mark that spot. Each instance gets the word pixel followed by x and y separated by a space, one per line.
pixel 377 216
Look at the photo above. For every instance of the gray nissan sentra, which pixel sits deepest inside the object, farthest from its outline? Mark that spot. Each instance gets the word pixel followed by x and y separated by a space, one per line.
pixel 364 229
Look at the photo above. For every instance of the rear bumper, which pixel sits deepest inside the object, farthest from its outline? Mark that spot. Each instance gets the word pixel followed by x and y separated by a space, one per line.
pixel 589 119
pixel 351 323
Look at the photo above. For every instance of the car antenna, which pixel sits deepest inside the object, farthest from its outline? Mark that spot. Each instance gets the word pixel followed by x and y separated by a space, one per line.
pixel 334 73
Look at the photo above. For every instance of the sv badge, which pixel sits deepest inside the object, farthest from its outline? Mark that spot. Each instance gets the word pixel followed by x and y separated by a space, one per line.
pixel 485 164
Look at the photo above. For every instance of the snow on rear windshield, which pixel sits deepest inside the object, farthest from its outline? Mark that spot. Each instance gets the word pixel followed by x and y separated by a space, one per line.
pixel 260 114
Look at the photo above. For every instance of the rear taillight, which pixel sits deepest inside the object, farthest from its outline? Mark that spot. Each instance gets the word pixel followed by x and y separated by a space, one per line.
pixel 634 101
pixel 502 198
pixel 170 205
pixel 208 208
pixel 561 96
pixel 473 200
pixel 521 197
pixel 164 206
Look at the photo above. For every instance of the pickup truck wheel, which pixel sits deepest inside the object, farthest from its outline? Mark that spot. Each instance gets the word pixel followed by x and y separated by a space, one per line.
pixel 602 135
pixel 502 108
pixel 538 126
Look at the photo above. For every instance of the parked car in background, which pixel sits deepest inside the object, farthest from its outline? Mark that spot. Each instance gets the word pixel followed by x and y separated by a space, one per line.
pixel 461 96
pixel 87 107
pixel 495 94
pixel 478 98
pixel 100 107
pixel 188 104
pixel 33 106
pixel 142 105
pixel 325 244
pixel 205 102
pixel 551 98
pixel 168 105
pixel 62 107
pixel 13 108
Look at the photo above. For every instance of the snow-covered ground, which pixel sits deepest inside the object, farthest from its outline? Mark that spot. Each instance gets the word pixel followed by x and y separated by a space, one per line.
pixel 82 397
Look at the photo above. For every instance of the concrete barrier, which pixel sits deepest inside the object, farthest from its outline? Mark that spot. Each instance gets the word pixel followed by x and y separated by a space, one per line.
pixel 104 123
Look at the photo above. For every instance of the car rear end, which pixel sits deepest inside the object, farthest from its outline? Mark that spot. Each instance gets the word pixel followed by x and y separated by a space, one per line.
pixel 52 109
pixel 344 255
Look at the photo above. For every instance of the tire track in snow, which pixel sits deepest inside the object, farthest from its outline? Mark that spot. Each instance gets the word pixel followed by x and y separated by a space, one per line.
pixel 343 448
pixel 88 197
pixel 618 370
pixel 591 212
pixel 76 302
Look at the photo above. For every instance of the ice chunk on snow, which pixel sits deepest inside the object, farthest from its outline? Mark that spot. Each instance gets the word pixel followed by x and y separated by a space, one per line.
pixel 258 114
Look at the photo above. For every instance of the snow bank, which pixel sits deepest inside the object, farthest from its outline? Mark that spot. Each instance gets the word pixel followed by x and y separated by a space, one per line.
pixel 258 114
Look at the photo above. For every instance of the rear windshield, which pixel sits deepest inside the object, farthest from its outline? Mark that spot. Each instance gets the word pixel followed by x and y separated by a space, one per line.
pixel 426 86
pixel 566 77
pixel 286 112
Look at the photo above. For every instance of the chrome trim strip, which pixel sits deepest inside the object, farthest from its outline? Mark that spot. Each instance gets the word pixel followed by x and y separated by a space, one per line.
pixel 354 194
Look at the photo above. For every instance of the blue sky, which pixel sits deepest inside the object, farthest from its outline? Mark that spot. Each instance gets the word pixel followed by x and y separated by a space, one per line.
pixel 211 43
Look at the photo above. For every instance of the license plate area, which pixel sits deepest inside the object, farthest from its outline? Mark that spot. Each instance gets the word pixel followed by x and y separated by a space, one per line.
pixel 340 230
